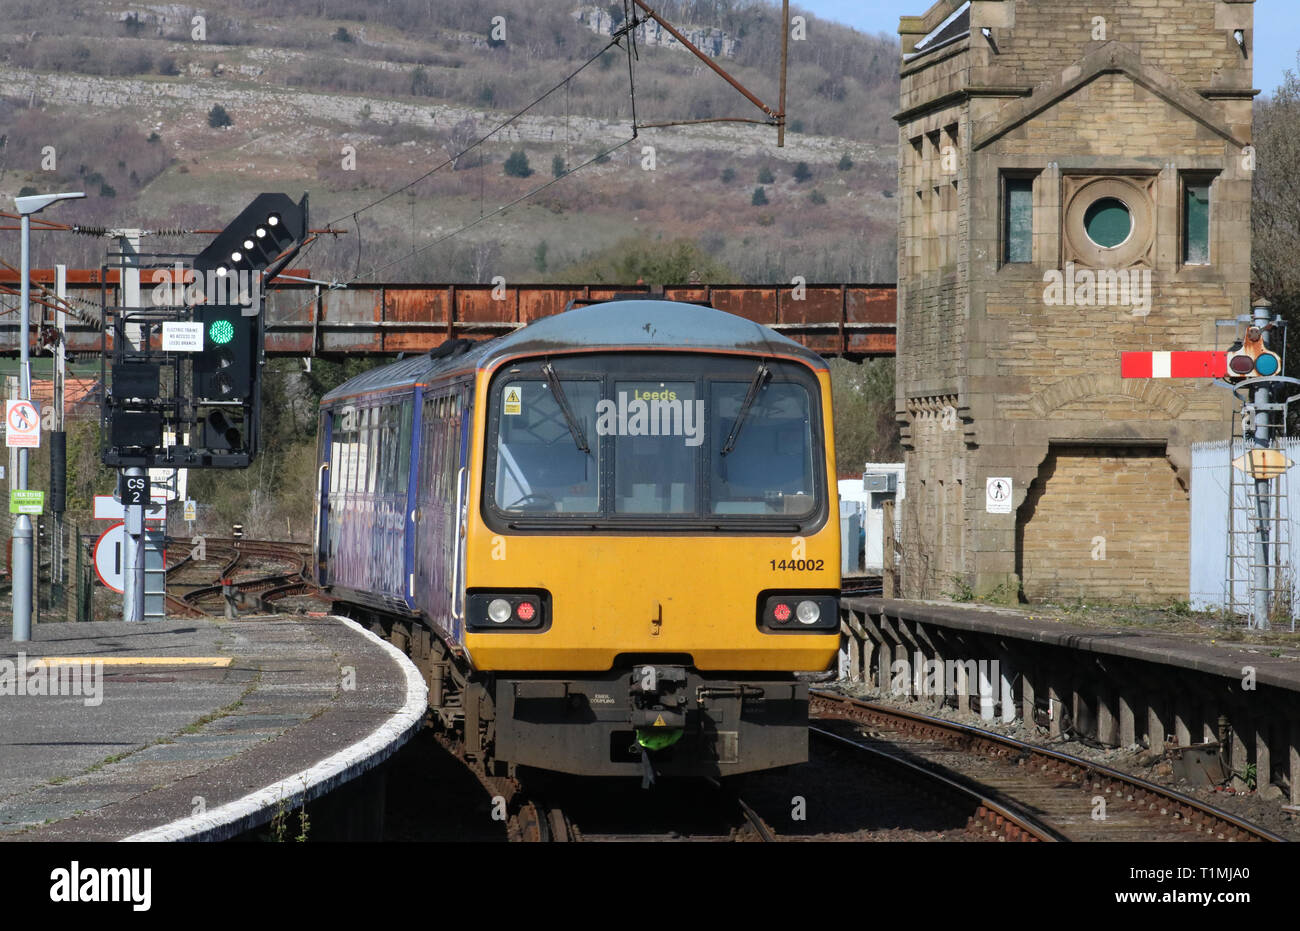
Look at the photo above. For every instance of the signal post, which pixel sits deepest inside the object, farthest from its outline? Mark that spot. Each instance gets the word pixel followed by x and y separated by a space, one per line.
pixel 186 364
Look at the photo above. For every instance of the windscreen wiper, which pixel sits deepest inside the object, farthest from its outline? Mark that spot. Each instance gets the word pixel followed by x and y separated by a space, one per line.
pixel 759 377
pixel 562 399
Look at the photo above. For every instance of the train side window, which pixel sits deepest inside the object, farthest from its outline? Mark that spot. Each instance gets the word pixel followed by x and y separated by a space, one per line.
pixel 358 458
pixel 376 453
pixel 336 453
pixel 404 445
pixel 372 459
pixel 388 449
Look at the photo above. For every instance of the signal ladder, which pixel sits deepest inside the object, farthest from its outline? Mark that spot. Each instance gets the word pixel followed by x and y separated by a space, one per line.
pixel 1259 521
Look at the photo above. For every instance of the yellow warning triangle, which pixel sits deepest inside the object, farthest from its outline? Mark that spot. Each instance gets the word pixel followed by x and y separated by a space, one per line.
pixel 512 395
pixel 659 721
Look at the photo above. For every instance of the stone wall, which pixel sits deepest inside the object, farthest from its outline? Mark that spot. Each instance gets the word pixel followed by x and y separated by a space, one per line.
pixel 1104 522
pixel 995 369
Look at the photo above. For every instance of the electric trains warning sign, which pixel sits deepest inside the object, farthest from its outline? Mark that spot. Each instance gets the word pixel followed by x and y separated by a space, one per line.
pixel 22 424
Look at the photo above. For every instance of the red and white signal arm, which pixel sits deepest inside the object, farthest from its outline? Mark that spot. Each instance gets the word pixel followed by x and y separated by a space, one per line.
pixel 1189 364
pixel 22 424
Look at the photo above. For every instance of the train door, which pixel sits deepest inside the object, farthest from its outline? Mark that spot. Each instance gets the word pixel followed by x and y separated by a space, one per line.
pixel 462 398
pixel 412 424
pixel 323 477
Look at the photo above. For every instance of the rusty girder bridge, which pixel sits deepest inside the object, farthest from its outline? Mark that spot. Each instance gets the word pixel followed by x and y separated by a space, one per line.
pixel 851 320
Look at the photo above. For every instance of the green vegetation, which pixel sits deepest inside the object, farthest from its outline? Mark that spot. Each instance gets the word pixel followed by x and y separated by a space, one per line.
pixel 816 197
pixel 218 117
pixel 765 175
pixel 845 163
pixel 516 165
pixel 863 399
pixel 1275 213
pixel 759 199
pixel 654 262
pixel 802 172
pixel 960 590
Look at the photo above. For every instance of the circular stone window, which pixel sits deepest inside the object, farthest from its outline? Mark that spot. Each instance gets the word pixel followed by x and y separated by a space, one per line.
pixel 1108 222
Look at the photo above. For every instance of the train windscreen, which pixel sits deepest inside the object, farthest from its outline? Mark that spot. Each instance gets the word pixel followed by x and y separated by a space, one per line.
pixel 656 437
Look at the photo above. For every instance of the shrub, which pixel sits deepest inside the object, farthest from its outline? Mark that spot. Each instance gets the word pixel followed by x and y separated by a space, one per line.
pixel 802 172
pixel 558 169
pixel 760 197
pixel 218 117
pixel 845 163
pixel 728 175
pixel 765 175
pixel 817 197
pixel 342 35
pixel 420 83
pixel 517 165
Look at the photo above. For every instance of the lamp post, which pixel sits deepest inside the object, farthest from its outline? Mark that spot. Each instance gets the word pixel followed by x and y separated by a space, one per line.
pixel 22 532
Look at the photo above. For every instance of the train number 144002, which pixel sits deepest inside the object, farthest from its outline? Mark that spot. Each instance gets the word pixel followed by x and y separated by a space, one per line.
pixel 797 565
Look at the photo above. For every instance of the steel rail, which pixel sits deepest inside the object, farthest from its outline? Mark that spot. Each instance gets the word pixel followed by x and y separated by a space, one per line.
pixel 1189 809
pixel 1015 825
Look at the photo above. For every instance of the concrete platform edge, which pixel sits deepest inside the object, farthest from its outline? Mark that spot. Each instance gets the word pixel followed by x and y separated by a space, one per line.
pixel 258 807
pixel 1136 645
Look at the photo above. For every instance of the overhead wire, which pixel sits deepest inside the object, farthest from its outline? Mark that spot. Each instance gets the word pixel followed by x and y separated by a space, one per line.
pixel 615 39
pixel 626 30
pixel 502 209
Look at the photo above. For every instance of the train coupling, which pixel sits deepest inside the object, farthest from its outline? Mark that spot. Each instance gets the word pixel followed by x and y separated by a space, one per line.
pixel 657 706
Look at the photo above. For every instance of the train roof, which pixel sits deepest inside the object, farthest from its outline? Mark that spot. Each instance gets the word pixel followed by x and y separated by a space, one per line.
pixel 626 324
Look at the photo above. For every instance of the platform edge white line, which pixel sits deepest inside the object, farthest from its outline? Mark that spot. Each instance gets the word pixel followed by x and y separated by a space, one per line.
pixel 243 813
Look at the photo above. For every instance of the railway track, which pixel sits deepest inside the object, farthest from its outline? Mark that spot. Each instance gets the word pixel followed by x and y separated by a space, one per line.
pixel 863 586
pixel 723 818
pixel 258 591
pixel 1039 794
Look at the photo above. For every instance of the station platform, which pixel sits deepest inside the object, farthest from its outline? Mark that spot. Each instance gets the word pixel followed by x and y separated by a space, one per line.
pixel 1179 690
pixel 191 729
pixel 1194 649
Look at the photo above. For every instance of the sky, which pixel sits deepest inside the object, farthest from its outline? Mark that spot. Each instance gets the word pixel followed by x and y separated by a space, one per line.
pixel 1277 28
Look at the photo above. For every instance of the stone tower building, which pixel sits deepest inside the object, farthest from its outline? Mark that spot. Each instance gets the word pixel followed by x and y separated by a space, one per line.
pixel 1074 180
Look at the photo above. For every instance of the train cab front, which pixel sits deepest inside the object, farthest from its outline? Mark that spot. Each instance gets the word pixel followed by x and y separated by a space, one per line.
pixel 655 718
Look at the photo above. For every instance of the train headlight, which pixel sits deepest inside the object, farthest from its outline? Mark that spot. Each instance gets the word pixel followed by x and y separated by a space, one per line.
pixel 809 612
pixel 499 610
pixel 816 612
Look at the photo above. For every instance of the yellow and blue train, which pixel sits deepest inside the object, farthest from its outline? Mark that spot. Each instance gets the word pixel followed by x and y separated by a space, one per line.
pixel 609 539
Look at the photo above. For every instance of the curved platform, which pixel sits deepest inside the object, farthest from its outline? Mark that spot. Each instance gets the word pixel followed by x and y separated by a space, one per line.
pixel 192 729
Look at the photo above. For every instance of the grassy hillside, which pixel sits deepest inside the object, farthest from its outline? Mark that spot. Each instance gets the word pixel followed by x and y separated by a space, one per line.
pixel 349 100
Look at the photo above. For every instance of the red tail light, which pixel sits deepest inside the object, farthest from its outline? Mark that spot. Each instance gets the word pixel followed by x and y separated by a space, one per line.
pixel 525 611
pixel 781 612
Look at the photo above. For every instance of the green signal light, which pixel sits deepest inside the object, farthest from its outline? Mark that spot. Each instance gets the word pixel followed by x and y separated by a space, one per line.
pixel 221 332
